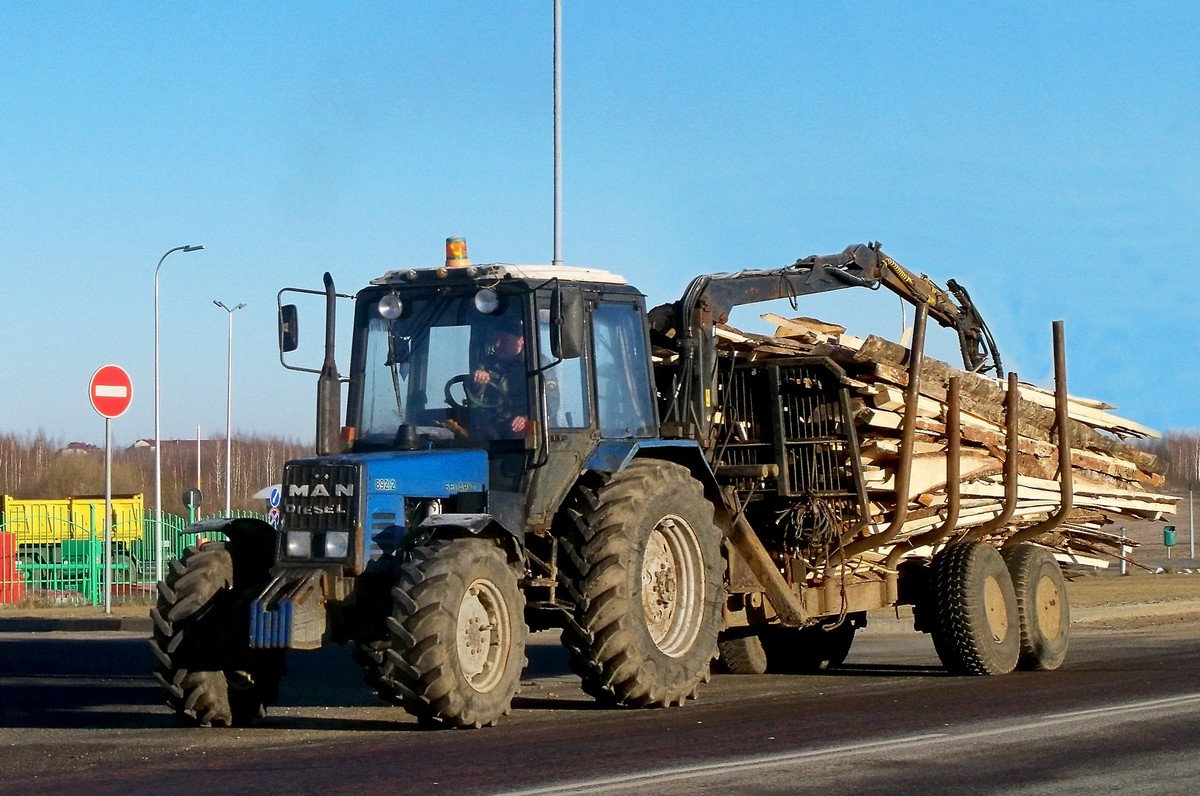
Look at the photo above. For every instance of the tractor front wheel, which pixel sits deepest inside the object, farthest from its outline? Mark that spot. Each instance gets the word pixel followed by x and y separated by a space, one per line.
pixel 457 633
pixel 211 675
pixel 649 585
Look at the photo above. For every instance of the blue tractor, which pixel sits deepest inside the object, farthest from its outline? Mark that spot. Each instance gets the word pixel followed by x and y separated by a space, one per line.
pixel 525 448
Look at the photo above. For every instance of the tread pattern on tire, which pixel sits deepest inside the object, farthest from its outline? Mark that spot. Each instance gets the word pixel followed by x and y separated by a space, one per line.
pixel 609 644
pixel 960 631
pixel 210 675
pixel 421 669
pixel 1026 563
pixel 743 654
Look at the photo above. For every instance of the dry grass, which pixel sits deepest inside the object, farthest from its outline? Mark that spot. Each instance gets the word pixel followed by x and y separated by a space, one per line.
pixel 1140 587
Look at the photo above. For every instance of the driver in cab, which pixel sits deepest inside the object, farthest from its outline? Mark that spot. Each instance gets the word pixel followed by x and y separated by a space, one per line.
pixel 501 379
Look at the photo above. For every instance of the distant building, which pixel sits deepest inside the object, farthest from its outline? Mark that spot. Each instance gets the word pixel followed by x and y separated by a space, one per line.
pixel 169 445
pixel 78 449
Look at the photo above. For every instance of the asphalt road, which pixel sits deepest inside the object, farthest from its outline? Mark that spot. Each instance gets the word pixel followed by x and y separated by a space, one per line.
pixel 1123 714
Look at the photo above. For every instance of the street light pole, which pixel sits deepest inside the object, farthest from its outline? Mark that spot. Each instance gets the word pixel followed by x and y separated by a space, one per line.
pixel 557 133
pixel 158 528
pixel 228 404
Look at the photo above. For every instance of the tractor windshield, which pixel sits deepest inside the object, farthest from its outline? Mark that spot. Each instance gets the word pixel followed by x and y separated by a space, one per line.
pixel 441 372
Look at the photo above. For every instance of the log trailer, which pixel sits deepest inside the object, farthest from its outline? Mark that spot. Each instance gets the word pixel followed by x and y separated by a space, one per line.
pixel 666 503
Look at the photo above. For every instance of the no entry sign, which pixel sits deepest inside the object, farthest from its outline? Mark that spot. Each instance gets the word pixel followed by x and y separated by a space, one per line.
pixel 110 391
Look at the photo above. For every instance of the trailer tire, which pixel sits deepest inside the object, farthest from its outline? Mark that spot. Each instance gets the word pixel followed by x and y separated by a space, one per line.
pixel 649 586
pixel 975 630
pixel 457 633
pixel 1043 610
pixel 742 654
pixel 212 677
pixel 806 650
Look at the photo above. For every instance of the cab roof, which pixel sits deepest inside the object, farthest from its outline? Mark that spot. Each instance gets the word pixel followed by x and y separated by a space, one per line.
pixel 567 273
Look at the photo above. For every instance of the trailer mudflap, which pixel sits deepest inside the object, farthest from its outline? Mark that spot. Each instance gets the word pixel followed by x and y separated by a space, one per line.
pixel 290 612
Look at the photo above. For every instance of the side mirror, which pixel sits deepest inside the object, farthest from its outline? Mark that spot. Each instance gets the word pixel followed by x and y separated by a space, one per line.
pixel 567 317
pixel 289 328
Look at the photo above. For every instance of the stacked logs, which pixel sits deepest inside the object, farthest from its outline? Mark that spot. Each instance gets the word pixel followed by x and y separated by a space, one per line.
pixel 1110 479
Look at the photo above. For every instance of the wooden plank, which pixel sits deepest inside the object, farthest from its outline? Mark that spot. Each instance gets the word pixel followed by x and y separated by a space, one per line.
pixel 983 397
pixel 1096 418
pixel 803 325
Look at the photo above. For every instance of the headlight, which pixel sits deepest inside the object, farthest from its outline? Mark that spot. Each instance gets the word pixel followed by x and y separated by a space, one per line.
pixel 299 544
pixel 390 307
pixel 487 301
pixel 337 544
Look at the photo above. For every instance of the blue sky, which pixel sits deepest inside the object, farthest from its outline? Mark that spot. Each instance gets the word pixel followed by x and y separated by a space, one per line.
pixel 1045 155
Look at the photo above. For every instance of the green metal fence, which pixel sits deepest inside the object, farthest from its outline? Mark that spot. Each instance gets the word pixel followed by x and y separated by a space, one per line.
pixel 48 556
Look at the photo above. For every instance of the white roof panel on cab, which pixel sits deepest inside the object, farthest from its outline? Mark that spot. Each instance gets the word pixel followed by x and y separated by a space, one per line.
pixel 569 273
pixel 572 273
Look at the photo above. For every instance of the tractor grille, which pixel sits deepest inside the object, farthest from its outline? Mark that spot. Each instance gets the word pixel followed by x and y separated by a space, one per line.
pixel 318 496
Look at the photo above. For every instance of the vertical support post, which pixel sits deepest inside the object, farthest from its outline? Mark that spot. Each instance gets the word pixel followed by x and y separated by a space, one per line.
pixel 557 260
pixel 1124 551
pixel 1062 424
pixel 1012 445
pixel 953 479
pixel 107 516
pixel 908 433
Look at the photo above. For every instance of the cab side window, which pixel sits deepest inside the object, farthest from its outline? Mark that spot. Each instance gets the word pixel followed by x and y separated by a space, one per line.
pixel 566 397
pixel 623 396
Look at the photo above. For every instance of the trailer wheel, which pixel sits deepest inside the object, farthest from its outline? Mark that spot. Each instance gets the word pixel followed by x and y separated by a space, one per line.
pixel 975 629
pixel 742 654
pixel 804 650
pixel 1042 607
pixel 649 586
pixel 458 633
pixel 212 677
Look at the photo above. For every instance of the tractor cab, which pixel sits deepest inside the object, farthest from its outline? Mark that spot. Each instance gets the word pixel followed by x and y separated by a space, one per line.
pixel 473 390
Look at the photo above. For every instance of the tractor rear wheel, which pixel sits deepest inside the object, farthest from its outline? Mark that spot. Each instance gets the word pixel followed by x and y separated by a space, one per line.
pixel 212 677
pixel 649 586
pixel 457 633
pixel 1042 607
pixel 975 629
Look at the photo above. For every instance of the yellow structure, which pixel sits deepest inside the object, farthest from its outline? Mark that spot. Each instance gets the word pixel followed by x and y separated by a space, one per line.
pixel 50 522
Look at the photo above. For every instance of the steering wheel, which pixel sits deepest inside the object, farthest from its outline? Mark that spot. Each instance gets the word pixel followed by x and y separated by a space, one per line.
pixel 474 396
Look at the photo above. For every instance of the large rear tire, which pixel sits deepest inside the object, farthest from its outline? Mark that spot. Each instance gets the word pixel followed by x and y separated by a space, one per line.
pixel 975 629
pixel 458 634
pixel 649 587
pixel 212 677
pixel 1042 607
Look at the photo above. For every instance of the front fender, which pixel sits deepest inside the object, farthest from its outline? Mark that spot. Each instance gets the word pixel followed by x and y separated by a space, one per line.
pixel 252 541
pixel 613 456
pixel 445 526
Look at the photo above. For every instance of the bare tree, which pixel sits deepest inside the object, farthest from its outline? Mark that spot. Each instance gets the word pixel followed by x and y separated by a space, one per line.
pixel 35 467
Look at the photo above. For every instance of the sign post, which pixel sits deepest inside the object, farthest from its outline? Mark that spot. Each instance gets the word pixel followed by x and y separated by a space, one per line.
pixel 110 392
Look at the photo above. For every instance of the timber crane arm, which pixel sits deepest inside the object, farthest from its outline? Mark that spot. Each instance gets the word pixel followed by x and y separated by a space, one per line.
pixel 709 299
pixel 978 347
